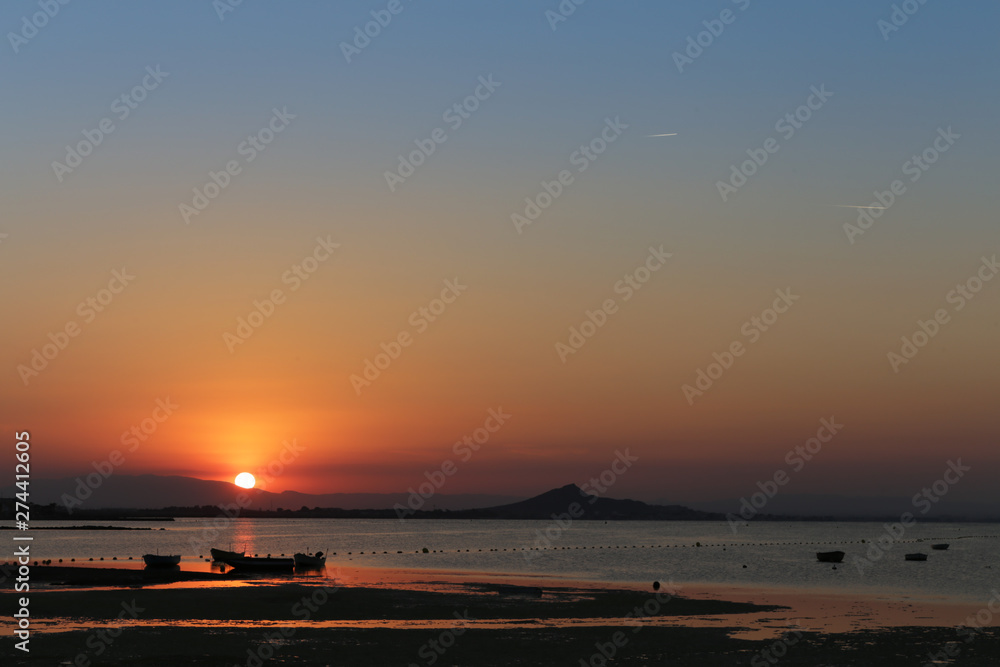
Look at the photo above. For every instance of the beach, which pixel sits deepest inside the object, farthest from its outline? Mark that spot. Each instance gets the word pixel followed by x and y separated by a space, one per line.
pixel 362 615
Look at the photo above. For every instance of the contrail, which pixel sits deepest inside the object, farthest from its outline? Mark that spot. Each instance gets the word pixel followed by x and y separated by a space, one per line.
pixel 672 134
pixel 851 206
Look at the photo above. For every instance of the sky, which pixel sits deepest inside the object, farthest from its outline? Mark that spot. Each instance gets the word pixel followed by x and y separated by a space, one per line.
pixel 340 254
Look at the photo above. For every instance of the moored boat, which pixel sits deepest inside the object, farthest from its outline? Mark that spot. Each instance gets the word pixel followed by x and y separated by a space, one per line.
pixel 830 556
pixel 155 560
pixel 255 563
pixel 915 557
pixel 940 547
pixel 221 555
pixel 310 560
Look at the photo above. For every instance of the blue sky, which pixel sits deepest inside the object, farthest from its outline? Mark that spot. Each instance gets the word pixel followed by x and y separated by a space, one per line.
pixel 325 174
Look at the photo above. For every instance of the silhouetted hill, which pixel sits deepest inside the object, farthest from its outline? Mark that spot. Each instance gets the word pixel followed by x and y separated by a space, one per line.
pixel 573 500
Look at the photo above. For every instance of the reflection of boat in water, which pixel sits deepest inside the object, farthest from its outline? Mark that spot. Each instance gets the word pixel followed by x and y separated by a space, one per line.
pixel 940 547
pixel 221 555
pixel 830 556
pixel 915 556
pixel 254 563
pixel 308 560
pixel 155 560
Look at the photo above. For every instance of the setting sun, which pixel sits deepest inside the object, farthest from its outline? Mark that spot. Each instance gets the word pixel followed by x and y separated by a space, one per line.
pixel 246 480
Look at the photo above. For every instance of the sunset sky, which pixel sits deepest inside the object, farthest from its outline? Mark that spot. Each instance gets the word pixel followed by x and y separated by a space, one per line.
pixel 382 248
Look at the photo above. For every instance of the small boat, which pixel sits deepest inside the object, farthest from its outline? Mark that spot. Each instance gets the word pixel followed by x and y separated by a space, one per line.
pixel 221 555
pixel 915 556
pixel 308 560
pixel 155 560
pixel 940 547
pixel 830 556
pixel 268 563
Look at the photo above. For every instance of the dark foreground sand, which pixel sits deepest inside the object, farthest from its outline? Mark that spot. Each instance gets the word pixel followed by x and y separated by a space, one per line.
pixel 268 623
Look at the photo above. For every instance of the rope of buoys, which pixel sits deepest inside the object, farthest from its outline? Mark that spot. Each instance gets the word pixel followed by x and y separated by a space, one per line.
pixel 697 544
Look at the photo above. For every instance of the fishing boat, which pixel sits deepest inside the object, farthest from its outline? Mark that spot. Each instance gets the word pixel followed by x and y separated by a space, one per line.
pixel 221 555
pixel 255 563
pixel 915 556
pixel 940 547
pixel 310 560
pixel 155 560
pixel 830 556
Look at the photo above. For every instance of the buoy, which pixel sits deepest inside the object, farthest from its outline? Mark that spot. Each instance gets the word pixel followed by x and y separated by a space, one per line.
pixel 656 585
pixel 744 567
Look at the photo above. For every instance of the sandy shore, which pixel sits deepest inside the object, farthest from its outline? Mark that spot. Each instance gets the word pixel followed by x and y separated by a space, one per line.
pixel 383 617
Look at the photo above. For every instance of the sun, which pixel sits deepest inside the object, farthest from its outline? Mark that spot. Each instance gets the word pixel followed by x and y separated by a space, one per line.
pixel 246 480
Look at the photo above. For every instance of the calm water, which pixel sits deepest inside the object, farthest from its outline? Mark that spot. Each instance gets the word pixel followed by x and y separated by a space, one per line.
pixel 776 554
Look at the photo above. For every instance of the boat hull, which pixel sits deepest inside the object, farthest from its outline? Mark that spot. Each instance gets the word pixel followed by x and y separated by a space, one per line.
pixel 153 560
pixel 940 547
pixel 221 555
pixel 830 556
pixel 249 563
pixel 305 560
pixel 916 557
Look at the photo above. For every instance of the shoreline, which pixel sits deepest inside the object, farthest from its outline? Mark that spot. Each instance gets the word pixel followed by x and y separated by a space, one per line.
pixel 825 609
pixel 387 616
pixel 103 573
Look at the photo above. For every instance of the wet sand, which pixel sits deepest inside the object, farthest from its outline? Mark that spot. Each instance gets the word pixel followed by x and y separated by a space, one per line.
pixel 385 617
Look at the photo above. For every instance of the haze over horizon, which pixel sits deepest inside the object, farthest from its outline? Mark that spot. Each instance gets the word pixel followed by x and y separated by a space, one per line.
pixel 363 329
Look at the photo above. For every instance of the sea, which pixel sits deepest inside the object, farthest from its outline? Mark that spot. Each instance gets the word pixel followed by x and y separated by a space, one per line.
pixel 757 554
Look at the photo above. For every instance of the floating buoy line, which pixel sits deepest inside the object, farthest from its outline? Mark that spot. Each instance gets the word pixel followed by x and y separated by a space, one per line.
pixel 696 545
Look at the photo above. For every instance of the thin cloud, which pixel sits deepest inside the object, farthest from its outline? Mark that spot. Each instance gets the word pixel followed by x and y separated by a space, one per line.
pixel 852 206
pixel 672 134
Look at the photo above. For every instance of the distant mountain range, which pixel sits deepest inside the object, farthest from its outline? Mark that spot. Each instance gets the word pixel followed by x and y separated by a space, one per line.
pixel 188 496
pixel 158 491
pixel 202 498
